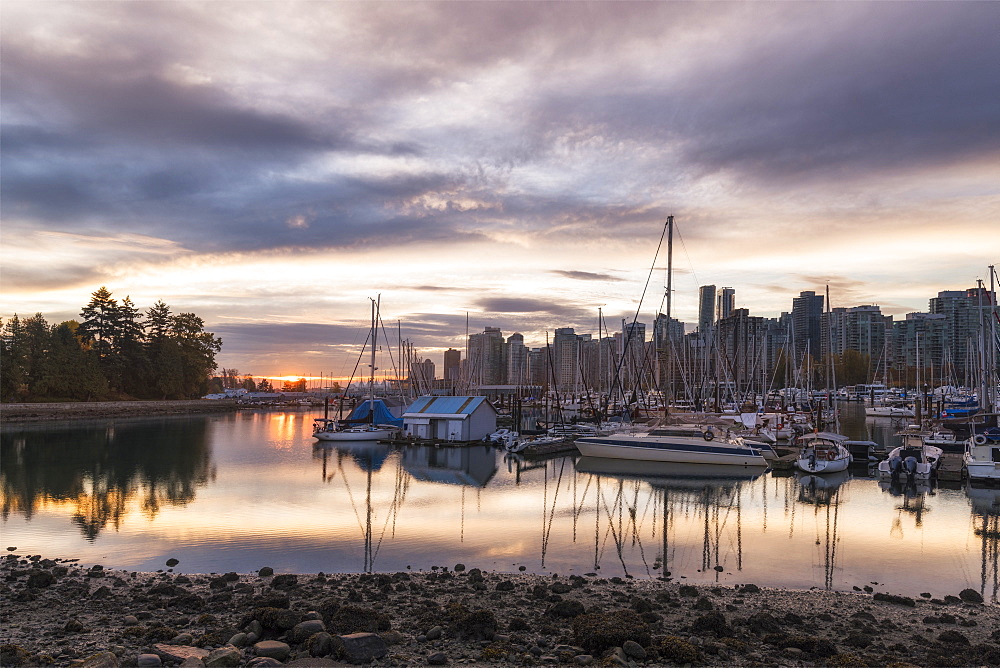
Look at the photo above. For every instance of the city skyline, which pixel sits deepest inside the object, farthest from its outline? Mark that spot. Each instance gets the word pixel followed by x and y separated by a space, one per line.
pixel 271 167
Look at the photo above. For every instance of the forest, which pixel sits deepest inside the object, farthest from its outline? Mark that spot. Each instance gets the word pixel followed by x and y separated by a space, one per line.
pixel 114 352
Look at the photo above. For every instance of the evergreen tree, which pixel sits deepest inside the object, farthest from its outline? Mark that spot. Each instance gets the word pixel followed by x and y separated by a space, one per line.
pixel 36 344
pixel 12 380
pixel 69 371
pixel 197 352
pixel 131 361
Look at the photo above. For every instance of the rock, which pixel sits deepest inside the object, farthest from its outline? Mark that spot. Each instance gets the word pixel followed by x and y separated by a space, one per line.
pixel 634 650
pixel 41 579
pixel 172 562
pixel 505 585
pixel 583 660
pixel 182 639
pixel 459 568
pixel 100 660
pixel 953 637
pixel 437 659
pixel 148 660
pixel 285 581
pixel 265 572
pixel 192 662
pixel 272 649
pixel 597 632
pixel 363 647
pixel 566 609
pixel 313 662
pixel 73 626
pixel 967 595
pixel 302 630
pixel 224 657
pixel 178 653
pixel 130 620
pixel 434 633
pixel 263 662
pixel 320 644
pixel 239 640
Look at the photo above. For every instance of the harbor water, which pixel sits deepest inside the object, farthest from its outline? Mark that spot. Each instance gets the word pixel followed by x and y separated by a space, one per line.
pixel 240 491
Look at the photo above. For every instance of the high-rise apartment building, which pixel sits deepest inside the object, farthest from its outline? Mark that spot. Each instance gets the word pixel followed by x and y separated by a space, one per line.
pixel 452 365
pixel 807 314
pixel 487 365
pixel 725 302
pixel 706 308
pixel 517 360
pixel 963 322
pixel 566 359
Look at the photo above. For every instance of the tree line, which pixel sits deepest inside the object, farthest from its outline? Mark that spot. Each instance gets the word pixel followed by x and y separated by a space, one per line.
pixel 114 352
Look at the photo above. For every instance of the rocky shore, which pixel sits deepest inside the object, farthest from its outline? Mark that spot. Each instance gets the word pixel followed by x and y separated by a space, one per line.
pixel 84 410
pixel 61 613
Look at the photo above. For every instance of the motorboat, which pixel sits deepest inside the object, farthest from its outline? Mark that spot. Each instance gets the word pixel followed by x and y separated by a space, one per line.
pixel 823 452
pixel 889 411
pixel 914 460
pixel 661 445
pixel 981 459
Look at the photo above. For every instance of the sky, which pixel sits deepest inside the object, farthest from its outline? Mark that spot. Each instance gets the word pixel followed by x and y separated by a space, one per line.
pixel 273 166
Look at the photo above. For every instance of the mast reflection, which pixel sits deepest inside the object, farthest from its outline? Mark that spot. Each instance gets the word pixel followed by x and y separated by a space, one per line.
pixel 823 492
pixel 709 493
pixel 369 457
pixel 985 502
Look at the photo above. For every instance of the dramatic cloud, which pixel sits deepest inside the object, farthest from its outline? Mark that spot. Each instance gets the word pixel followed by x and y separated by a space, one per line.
pixel 512 163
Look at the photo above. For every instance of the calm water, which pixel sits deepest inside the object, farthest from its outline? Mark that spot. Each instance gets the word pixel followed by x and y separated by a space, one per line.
pixel 242 491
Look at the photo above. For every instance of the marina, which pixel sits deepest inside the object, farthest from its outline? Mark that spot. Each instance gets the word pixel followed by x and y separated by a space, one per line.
pixel 250 489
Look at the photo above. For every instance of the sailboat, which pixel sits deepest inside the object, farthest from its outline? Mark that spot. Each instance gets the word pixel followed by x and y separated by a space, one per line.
pixel 376 424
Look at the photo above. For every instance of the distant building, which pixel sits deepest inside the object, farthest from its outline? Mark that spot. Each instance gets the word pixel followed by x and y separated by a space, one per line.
pixel 706 308
pixel 517 360
pixel 452 365
pixel 487 365
pixel 566 359
pixel 963 321
pixel 725 302
pixel 807 313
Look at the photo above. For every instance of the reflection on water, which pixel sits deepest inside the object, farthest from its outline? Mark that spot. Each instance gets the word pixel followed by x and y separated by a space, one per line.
pixel 985 502
pixel 101 471
pixel 243 491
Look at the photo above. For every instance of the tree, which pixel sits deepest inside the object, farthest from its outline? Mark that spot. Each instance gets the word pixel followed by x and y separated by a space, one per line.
pixel 69 371
pixel 131 363
pixel 265 386
pixel 12 380
pixel 36 344
pixel 294 385
pixel 100 322
pixel 197 350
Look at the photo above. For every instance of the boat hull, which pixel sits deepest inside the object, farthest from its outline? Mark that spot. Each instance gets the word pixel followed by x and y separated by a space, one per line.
pixel 352 435
pixel 679 450
pixel 806 465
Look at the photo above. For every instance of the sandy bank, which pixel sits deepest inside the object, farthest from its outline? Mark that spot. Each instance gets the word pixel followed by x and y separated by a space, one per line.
pixel 61 613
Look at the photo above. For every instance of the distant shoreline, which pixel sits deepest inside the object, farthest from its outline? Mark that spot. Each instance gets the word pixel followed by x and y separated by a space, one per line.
pixel 82 410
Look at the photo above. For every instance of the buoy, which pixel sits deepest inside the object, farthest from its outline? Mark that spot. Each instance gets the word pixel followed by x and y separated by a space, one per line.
pixel 979 439
pixel 708 435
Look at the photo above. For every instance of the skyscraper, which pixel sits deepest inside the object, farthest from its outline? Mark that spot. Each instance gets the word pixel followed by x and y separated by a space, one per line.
pixel 725 303
pixel 807 314
pixel 452 365
pixel 706 308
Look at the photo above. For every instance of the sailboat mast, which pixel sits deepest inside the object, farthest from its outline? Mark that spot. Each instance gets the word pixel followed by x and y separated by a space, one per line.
pixel 371 386
pixel 666 377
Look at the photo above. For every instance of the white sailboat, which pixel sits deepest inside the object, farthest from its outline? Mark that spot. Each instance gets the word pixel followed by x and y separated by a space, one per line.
pixel 332 430
pixel 823 452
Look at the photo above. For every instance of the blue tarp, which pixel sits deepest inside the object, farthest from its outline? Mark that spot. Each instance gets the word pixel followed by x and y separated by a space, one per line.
pixel 362 414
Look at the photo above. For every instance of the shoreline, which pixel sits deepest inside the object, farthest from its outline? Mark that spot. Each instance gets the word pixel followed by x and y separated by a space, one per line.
pixel 86 410
pixel 63 613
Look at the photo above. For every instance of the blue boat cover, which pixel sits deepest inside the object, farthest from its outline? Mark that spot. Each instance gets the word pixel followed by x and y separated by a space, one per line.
pixel 362 414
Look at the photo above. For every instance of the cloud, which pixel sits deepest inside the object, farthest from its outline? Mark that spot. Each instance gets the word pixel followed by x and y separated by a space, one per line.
pixel 586 275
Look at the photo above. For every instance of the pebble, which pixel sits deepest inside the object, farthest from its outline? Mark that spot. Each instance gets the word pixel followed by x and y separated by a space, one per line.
pixel 148 660
pixel 437 659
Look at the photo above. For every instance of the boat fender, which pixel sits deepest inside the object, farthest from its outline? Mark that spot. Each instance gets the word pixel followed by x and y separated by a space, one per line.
pixel 979 439
pixel 708 435
pixel 781 425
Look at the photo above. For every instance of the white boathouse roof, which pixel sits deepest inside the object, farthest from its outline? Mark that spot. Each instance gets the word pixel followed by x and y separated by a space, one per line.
pixel 434 406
